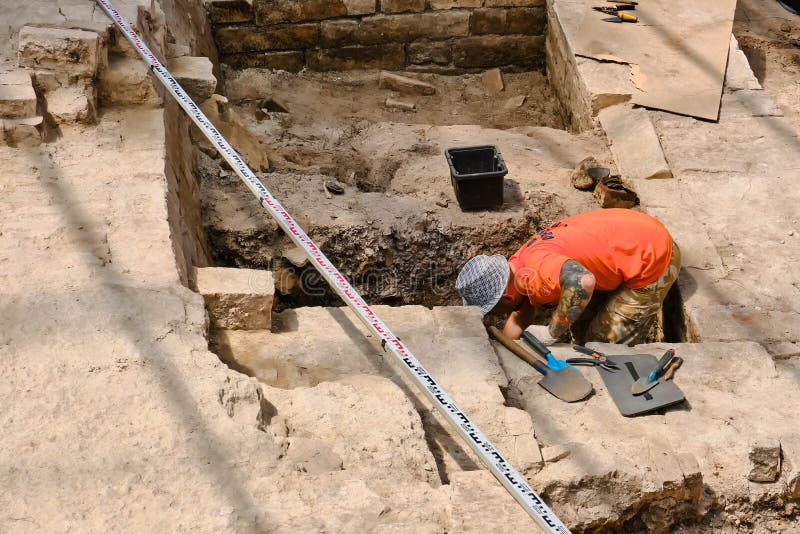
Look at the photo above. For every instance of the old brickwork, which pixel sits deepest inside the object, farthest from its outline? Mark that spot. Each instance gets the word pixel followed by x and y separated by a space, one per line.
pixel 446 36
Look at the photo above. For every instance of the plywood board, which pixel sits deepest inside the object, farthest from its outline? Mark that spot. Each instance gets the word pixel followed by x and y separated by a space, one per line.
pixel 678 51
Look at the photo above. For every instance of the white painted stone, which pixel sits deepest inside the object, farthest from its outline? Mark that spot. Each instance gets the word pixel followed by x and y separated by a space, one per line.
pixel 196 76
pixel 239 299
pixel 75 52
pixel 634 143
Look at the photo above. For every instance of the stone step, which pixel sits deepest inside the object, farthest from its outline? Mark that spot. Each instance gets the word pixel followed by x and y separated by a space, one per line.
pixel 236 298
pixel 195 74
pixel 127 81
pixel 17 97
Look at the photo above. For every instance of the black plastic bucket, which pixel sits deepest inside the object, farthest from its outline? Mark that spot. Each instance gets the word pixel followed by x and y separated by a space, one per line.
pixel 477 174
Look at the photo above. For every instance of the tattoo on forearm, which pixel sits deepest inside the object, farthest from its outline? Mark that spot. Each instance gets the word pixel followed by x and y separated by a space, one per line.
pixel 577 286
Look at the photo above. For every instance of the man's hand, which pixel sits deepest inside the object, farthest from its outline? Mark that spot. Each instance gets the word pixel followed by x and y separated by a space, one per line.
pixel 542 333
pixel 519 320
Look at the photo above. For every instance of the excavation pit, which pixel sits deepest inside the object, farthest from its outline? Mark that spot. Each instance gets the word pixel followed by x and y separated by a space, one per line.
pixel 397 231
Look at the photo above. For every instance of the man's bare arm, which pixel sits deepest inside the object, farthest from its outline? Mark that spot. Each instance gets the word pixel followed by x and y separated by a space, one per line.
pixel 577 286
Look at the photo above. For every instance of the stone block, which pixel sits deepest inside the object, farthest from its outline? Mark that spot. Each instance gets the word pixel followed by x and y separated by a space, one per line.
pixel 497 50
pixel 765 461
pixel 493 81
pixel 279 11
pixel 452 4
pixel 402 6
pixel 235 39
pixel 390 57
pixel 73 104
pixel 404 84
pixel 739 76
pixel 75 52
pixel 403 28
pixel 486 21
pixel 527 20
pixel 17 97
pixel 290 61
pixel 230 11
pixel 422 52
pixel 195 74
pixel 25 132
pixel 128 81
pixel 634 143
pixel 238 299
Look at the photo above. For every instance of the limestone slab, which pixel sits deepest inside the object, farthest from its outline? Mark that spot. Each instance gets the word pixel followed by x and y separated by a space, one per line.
pixel 128 81
pixel 739 75
pixel 195 74
pixel 634 143
pixel 75 52
pixel 17 97
pixel 68 105
pixel 239 299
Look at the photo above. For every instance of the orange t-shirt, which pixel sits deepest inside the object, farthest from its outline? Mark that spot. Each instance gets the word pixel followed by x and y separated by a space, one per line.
pixel 618 246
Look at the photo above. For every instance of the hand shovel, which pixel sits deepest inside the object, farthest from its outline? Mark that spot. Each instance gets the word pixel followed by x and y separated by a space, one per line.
pixel 646 383
pixel 566 384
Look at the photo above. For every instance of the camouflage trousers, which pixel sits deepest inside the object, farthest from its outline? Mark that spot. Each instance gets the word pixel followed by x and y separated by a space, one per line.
pixel 629 315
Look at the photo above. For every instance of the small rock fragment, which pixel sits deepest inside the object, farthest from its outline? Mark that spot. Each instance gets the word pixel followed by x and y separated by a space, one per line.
pixel 493 81
pixel 442 203
pixel 400 104
pixel 765 460
pixel 405 85
pixel 334 187
pixel 296 256
pixel 195 74
pixel 613 194
pixel 786 27
pixel 515 102
pixel 581 179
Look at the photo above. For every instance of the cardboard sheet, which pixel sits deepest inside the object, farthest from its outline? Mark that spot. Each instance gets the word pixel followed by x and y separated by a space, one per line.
pixel 678 51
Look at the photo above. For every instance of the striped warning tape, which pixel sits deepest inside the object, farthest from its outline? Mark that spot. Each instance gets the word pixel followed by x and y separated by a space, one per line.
pixel 509 477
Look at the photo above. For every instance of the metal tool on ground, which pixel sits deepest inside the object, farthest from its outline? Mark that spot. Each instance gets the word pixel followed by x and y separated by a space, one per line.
pixel 552 362
pixel 566 384
pixel 613 10
pixel 624 2
pixel 618 385
pixel 599 356
pixel 502 470
pixel 646 383
pixel 608 366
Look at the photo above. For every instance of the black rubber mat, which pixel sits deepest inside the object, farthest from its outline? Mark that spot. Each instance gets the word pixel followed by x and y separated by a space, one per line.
pixel 632 367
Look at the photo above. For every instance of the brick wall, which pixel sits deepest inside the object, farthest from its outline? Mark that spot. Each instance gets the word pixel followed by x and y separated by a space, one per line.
pixel 447 36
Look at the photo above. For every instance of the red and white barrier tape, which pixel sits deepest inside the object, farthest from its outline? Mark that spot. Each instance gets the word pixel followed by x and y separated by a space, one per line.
pixel 509 477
